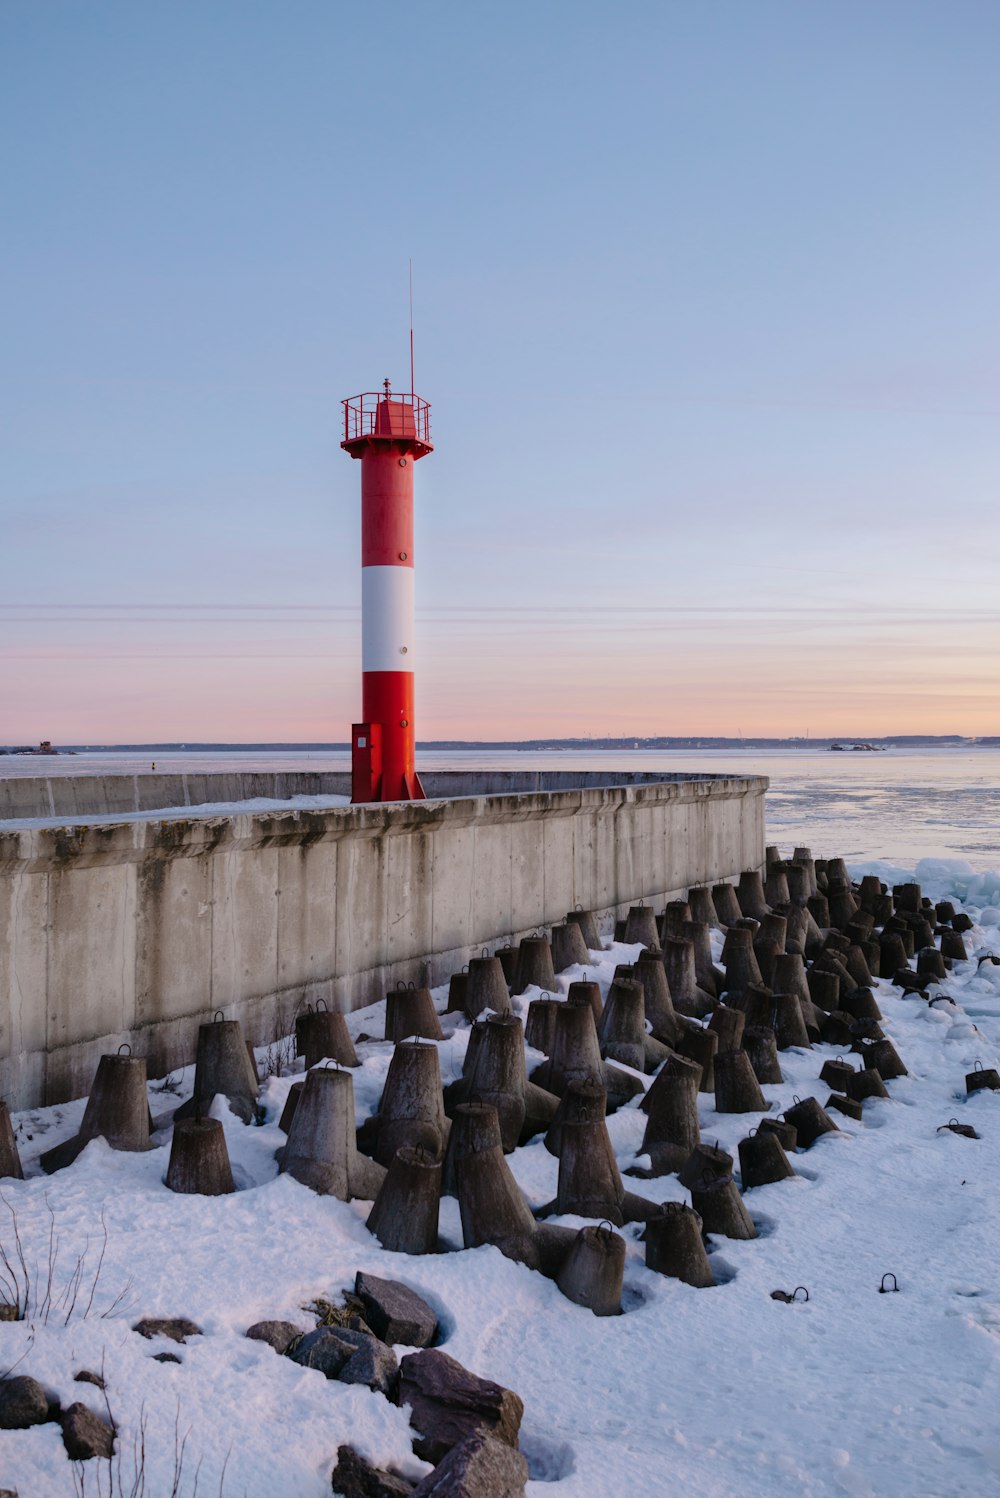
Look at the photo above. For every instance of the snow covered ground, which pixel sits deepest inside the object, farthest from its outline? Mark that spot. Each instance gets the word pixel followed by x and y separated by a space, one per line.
pixel 716 1393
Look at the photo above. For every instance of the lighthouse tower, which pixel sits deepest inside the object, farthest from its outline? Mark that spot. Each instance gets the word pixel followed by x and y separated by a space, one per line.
pixel 388 433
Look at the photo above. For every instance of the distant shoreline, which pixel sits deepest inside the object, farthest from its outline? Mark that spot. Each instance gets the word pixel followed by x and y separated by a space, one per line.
pixel 629 744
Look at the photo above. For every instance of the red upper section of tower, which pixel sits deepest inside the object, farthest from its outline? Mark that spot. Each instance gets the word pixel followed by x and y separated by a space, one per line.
pixel 378 417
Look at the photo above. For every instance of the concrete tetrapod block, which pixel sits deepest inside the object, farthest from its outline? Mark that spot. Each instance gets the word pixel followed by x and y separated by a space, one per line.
pixel 800 929
pixel 199 1159
pixel 117 1110
pixel 893 952
pixel 587 922
pixel 622 1031
pixel 870 892
pixel 726 904
pixel 492 1206
pixel 788 1022
pixel 772 855
pixel 824 989
pixel 674 1246
pixel 702 905
pixel 540 1026
pixel 736 1088
pixel 410 1011
pixel 657 1003
pixel 534 965
pixel 590 1184
pixel 929 960
pixel 222 1066
pixel 458 988
pixel 10 1160
pixel 819 910
pixel 593 1273
pixel 672 1129
pixel 411 1109
pixel 865 1084
pixel 837 1028
pixel 291 1103
pixel 576 1057
pixel 776 891
pixel 321 1151
pixel 763 1160
pixel 846 1105
pixel 640 926
pixel 586 991
pixel 856 963
pixel 750 894
pixel 582 1102
pixel 740 961
pixel 766 953
pixel 321 1035
pixel 404 1217
pixel 498 1076
pixel 486 987
pixel 790 975
pixel 841 902
pixel 682 980
pixel 907 897
pixel 773 928
pixel 709 978
pixel 760 1044
pixel 706 1162
pixel 701 1046
pixel 785 1132
pixel 507 958
pixel 810 1120
pixel 754 1003
pixel 720 1207
pixel 676 914
pixel 728 1024
pixel 886 1060
pixel 803 857
pixel 953 946
pixel 837 1074
pixel 568 947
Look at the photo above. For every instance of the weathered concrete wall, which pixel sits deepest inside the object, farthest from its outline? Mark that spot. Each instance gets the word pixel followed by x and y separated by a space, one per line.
pixel 67 795
pixel 138 931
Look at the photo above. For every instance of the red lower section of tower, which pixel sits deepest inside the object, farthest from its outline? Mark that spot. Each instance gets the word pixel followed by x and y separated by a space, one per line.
pixel 383 766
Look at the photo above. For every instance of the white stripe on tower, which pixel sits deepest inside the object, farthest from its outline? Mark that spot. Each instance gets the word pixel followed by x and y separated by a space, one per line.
pixel 387 619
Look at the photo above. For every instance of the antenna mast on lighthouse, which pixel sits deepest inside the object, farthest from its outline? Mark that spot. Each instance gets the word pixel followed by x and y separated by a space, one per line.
pixel 388 433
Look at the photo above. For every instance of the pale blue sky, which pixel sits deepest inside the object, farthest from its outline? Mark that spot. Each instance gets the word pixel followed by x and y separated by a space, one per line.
pixel 707 308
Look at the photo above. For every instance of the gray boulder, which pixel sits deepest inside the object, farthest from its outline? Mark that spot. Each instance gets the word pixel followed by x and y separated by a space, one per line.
pixel 177 1328
pixel 396 1313
pixel 478 1467
pixel 86 1435
pixel 23 1402
pixel 448 1403
pixel 353 1477
pixel 353 1357
pixel 277 1334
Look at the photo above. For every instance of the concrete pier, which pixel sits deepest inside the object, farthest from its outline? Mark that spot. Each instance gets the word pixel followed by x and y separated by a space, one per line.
pixel 139 930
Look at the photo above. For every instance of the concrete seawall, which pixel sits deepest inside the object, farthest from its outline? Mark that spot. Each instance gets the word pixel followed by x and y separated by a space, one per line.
pixel 137 931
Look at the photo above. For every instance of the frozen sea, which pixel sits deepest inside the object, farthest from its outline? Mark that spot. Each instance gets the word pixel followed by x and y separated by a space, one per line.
pixel 901 805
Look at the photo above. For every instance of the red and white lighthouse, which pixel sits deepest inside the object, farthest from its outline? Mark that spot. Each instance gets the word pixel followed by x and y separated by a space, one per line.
pixel 388 433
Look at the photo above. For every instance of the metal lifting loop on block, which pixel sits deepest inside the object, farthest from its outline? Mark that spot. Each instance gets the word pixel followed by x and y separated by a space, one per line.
pixel 977 1066
pixel 321 1006
pixel 400 985
pixel 219 1017
pixel 885 1289
pixel 125 1049
pixel 795 1292
pixel 606 1227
